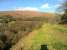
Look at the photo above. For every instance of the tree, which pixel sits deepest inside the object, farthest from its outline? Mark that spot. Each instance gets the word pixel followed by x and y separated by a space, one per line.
pixel 64 16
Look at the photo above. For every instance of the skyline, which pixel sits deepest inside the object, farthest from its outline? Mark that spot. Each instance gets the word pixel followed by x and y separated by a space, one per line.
pixel 32 5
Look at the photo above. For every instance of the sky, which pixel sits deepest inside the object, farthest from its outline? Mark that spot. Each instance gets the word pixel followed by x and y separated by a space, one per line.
pixel 31 5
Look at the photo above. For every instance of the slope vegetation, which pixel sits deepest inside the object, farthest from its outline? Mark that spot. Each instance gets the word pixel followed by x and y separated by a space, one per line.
pixel 54 36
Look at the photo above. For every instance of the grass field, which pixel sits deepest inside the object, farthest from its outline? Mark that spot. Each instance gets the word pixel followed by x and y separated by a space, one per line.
pixel 53 35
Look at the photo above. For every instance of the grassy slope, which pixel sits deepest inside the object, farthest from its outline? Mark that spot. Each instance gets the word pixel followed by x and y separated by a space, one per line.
pixel 51 34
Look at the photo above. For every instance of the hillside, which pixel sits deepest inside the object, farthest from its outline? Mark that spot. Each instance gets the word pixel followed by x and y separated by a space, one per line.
pixel 28 30
pixel 52 35
pixel 13 29
pixel 27 13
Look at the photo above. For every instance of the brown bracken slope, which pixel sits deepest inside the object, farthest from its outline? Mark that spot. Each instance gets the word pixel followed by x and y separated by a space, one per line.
pixel 26 13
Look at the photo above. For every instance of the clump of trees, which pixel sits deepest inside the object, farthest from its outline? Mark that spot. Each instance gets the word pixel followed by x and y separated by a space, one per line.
pixel 64 16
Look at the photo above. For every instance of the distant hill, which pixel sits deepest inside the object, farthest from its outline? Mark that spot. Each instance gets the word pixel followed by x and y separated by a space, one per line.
pixel 26 13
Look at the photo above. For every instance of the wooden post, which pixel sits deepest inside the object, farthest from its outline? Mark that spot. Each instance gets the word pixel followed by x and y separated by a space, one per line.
pixel 44 47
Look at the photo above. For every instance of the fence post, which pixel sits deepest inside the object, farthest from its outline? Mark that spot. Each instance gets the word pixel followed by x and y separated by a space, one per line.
pixel 44 47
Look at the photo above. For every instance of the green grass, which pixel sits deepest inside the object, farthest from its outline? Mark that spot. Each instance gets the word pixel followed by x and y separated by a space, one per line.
pixel 59 45
pixel 53 35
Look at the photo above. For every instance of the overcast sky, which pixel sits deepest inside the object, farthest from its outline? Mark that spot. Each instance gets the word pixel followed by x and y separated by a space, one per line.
pixel 32 5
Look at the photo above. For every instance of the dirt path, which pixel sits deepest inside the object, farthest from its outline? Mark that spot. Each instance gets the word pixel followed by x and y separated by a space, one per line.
pixel 24 42
pixel 65 25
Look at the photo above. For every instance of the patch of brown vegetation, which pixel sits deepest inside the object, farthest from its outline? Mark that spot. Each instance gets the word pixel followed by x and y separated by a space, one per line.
pixel 27 13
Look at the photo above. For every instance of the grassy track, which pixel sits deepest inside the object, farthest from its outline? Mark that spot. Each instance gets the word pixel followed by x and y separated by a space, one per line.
pixel 54 36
